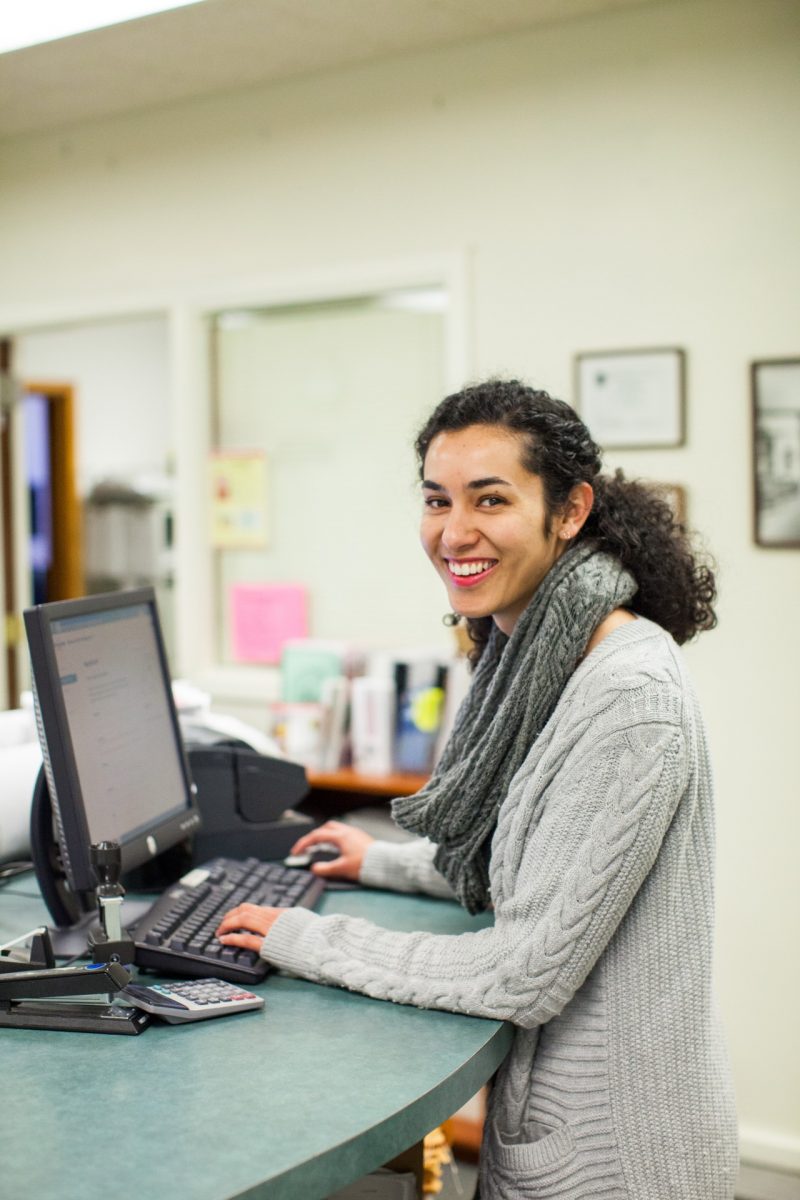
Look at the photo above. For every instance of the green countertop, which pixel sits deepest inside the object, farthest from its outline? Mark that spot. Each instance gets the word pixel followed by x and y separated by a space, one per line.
pixel 289 1103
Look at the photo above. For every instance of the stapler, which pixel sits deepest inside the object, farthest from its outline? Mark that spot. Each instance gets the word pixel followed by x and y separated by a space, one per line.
pixel 31 993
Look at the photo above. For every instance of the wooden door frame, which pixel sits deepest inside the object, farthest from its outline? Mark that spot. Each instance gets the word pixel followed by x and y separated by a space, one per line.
pixel 65 580
pixel 9 567
pixel 10 673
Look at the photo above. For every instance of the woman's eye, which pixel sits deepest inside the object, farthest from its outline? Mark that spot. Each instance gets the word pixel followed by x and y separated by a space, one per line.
pixel 435 502
pixel 491 501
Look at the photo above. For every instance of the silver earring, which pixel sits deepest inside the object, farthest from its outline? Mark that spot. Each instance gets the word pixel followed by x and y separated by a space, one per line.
pixel 450 619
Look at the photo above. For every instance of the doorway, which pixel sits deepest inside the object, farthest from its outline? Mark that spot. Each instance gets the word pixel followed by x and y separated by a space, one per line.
pixel 55 543
pixel 46 562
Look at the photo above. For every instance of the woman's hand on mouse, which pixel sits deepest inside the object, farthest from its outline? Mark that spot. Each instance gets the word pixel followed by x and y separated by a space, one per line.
pixel 247 926
pixel 351 842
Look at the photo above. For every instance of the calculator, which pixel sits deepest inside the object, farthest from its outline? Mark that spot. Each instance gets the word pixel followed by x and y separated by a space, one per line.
pixel 190 1000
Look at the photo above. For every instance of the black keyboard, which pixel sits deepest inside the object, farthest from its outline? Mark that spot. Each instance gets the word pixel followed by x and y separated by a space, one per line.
pixel 176 936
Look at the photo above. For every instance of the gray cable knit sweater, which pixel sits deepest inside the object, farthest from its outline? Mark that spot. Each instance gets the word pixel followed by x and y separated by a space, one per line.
pixel 617 1085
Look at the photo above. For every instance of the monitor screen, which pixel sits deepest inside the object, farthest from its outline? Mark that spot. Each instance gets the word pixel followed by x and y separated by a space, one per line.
pixel 114 760
pixel 119 721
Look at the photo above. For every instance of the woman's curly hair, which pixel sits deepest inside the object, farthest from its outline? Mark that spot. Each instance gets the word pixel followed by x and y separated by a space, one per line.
pixel 629 519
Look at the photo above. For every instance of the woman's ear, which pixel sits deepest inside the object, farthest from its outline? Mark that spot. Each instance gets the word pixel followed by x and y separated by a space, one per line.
pixel 576 510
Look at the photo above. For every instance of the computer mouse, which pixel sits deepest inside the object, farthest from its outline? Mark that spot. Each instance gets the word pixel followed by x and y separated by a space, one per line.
pixel 321 852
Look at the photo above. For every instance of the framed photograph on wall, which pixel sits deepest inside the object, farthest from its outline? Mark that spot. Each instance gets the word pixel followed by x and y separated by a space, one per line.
pixel 775 386
pixel 633 399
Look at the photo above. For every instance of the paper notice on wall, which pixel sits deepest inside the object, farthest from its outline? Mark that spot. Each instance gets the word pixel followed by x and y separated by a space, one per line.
pixel 263 616
pixel 238 500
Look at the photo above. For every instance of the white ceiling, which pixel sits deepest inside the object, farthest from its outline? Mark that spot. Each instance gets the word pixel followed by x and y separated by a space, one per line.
pixel 226 45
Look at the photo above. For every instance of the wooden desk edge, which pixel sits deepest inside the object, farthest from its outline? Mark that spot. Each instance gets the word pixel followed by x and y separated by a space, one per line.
pixel 348 780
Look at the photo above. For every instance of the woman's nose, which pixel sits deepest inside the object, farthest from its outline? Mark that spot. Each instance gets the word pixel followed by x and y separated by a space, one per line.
pixel 459 530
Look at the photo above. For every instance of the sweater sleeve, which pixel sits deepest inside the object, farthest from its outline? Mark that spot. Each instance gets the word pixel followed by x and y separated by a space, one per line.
pixel 578 835
pixel 404 867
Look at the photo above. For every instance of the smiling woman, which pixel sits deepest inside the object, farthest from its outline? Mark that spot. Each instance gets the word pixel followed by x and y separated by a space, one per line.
pixel 574 799
pixel 490 536
pixel 550 457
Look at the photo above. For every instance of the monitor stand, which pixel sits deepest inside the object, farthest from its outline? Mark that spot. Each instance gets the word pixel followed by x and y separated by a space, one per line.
pixel 71 941
pixel 74 914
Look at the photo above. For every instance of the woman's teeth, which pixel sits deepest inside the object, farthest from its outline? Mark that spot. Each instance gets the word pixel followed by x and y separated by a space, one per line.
pixel 469 568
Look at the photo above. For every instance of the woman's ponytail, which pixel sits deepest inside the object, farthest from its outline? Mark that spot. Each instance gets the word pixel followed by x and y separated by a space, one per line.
pixel 636 524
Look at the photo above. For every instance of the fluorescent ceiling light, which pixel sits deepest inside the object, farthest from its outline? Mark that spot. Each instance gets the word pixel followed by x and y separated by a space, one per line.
pixel 36 21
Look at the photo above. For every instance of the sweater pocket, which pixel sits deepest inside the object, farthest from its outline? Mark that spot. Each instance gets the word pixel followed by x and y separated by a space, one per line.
pixel 547 1154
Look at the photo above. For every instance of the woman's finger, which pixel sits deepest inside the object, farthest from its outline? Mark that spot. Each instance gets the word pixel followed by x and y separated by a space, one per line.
pixel 248 917
pixel 247 941
pixel 331 831
pixel 334 867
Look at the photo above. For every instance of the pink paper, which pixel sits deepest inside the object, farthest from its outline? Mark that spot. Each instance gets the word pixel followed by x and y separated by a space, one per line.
pixel 263 616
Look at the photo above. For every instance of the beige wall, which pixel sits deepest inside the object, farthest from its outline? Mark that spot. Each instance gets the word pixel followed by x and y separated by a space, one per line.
pixel 119 366
pixel 629 180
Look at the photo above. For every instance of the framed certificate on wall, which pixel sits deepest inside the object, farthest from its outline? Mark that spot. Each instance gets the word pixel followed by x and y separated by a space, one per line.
pixel 634 399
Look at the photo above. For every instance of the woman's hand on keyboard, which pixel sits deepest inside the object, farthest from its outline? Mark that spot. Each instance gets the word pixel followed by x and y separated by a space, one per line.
pixel 247 926
pixel 351 842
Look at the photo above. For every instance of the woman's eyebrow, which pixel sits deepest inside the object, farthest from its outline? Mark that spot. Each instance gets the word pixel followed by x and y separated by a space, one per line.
pixel 489 481
pixel 475 484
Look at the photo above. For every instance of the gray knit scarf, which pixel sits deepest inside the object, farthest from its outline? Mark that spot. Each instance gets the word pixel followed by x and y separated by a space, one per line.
pixel 514 691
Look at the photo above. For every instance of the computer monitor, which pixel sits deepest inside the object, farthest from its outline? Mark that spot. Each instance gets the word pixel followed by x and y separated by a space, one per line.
pixel 114 760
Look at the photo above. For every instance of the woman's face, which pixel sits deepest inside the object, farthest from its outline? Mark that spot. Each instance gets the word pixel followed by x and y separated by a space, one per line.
pixel 484 523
